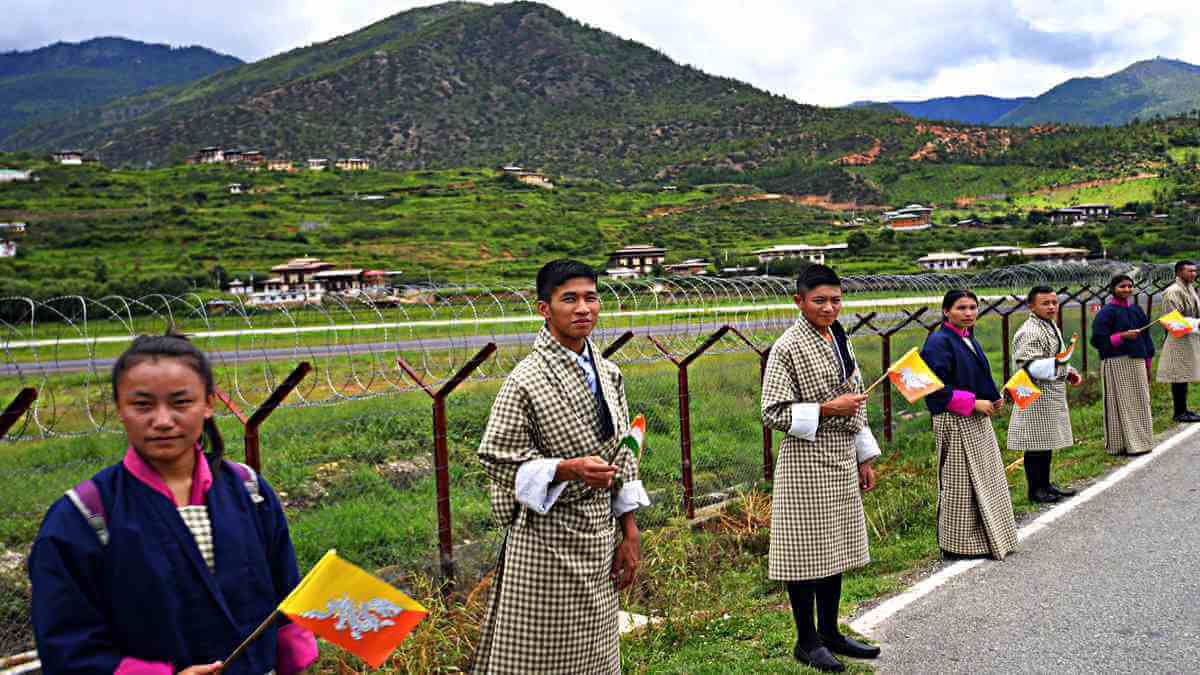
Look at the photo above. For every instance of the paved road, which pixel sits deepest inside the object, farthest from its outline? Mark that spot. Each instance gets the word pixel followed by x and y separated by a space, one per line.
pixel 1112 587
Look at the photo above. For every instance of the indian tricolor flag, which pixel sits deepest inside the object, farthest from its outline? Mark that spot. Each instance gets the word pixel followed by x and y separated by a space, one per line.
pixel 357 611
pixel 635 438
pixel 1066 354
pixel 912 377
pixel 1176 324
pixel 1022 390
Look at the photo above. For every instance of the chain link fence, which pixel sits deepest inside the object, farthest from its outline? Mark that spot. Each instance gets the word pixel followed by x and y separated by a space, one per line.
pixel 365 416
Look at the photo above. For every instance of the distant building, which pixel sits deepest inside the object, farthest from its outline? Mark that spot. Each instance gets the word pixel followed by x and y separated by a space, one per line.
pixel 253 158
pixel 12 228
pixel 307 280
pixel 945 260
pixel 13 175
pixel 8 248
pixel 236 188
pixel 621 273
pixel 69 157
pixel 280 165
pixel 318 164
pixel 236 287
pixel 693 267
pixel 528 177
pixel 981 253
pixel 1055 254
pixel 640 257
pixel 1069 216
pixel 969 223
pixel 813 254
pixel 352 164
pixel 1095 210
pixel 210 155
pixel 233 156
pixel 911 218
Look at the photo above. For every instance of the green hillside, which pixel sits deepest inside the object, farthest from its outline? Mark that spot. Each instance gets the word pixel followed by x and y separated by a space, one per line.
pixel 1159 87
pixel 43 84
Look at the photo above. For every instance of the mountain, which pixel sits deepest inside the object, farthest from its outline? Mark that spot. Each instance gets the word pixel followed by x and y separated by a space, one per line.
pixel 63 77
pixel 461 84
pixel 1147 88
pixel 965 109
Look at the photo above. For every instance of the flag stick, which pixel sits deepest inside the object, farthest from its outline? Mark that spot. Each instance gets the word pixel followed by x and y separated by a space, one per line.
pixel 262 627
pixel 876 382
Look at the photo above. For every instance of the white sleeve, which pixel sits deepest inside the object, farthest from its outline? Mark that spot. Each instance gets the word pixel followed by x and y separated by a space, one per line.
pixel 1194 323
pixel 632 496
pixel 1042 369
pixel 865 445
pixel 805 418
pixel 534 484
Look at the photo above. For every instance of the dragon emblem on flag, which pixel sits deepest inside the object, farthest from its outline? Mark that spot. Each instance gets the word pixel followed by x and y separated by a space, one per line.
pixel 370 616
pixel 913 381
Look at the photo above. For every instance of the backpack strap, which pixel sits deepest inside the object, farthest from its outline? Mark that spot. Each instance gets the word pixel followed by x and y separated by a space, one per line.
pixel 248 477
pixel 86 499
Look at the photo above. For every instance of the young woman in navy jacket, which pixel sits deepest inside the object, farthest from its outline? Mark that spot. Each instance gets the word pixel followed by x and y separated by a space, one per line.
pixel 1125 353
pixel 166 561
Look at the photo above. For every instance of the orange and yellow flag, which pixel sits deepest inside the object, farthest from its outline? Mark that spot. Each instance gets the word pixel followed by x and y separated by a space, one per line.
pixel 1175 324
pixel 1065 355
pixel 355 610
pixel 1022 390
pixel 912 377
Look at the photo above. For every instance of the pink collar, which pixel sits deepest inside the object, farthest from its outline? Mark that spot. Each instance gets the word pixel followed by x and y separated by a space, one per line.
pixel 1119 303
pixel 960 332
pixel 201 476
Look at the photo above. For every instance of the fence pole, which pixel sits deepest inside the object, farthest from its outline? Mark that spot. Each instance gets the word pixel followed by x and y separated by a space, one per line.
pixel 885 357
pixel 17 409
pixel 441 455
pixel 617 344
pixel 768 445
pixel 250 425
pixel 685 421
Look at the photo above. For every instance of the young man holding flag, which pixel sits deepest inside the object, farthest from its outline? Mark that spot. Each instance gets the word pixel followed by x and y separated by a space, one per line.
pixel 561 479
pixel 1180 360
pixel 813 391
pixel 1045 424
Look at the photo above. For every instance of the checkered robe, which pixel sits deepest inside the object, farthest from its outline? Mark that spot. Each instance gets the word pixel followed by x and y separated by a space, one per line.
pixel 975 513
pixel 1179 360
pixel 1046 424
pixel 553 605
pixel 817 523
pixel 1128 426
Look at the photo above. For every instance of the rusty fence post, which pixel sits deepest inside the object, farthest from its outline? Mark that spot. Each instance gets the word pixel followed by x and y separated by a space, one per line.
pixel 1005 328
pixel 685 421
pixel 441 455
pixel 17 409
pixel 251 424
pixel 616 345
pixel 768 445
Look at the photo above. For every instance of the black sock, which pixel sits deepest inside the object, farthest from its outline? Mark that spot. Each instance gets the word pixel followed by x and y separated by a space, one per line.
pixel 1047 462
pixel 829 598
pixel 801 595
pixel 1031 472
pixel 1179 397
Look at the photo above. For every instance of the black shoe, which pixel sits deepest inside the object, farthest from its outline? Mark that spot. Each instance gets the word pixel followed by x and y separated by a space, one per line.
pixel 819 658
pixel 848 646
pixel 1043 496
pixel 1186 417
pixel 1059 492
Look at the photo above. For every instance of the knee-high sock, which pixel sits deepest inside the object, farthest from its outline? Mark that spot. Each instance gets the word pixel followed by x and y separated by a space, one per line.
pixel 829 598
pixel 801 595
pixel 1179 397
pixel 1031 472
pixel 1046 464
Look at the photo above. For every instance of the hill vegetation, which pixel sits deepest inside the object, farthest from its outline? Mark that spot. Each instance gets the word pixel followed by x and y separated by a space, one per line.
pixel 43 84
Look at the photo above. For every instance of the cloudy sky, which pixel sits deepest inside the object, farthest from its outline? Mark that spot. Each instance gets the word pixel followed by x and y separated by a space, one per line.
pixel 828 52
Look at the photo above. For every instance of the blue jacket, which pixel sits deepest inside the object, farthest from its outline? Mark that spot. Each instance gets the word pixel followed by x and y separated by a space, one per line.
pixel 1112 319
pixel 148 594
pixel 958 368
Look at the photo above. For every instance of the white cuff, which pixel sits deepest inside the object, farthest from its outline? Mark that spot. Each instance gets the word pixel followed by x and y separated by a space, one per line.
pixel 865 446
pixel 1194 323
pixel 632 496
pixel 534 488
pixel 805 417
pixel 1042 369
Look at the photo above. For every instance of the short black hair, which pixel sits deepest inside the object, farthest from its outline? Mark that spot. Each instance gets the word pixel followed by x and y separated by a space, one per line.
pixel 816 275
pixel 1036 291
pixel 1182 264
pixel 1117 281
pixel 558 272
pixel 955 295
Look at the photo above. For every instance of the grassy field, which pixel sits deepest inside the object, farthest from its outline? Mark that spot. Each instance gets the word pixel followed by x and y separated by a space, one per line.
pixel 352 478
pixel 1117 195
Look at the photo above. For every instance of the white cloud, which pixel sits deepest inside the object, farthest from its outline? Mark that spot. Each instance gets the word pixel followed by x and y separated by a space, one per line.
pixel 828 52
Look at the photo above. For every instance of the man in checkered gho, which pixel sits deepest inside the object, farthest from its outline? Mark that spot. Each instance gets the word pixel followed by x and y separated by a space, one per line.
pixel 561 484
